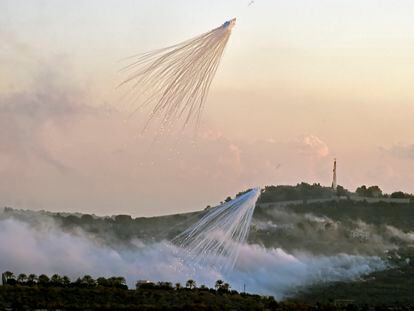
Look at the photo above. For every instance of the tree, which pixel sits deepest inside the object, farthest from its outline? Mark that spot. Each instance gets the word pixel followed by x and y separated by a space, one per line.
pixel 341 191
pixel 374 192
pixel 117 281
pixel 361 191
pixel 164 285
pixel 87 219
pixel 88 281
pixel 226 287
pixel 400 195
pixel 123 219
pixel 370 192
pixel 32 279
pixel 120 280
pixel 65 281
pixel 22 278
pixel 8 275
pixel 228 199
pixel 219 284
pixel 8 278
pixel 78 283
pixel 102 282
pixel 177 286
pixel 56 280
pixel 43 280
pixel 190 284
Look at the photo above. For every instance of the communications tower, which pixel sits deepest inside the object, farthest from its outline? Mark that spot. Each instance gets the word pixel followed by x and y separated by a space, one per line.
pixel 334 184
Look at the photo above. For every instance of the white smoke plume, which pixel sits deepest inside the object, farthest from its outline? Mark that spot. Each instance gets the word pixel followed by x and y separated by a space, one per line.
pixel 49 250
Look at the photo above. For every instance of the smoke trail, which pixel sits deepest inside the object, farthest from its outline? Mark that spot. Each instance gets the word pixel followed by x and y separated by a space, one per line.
pixel 218 235
pixel 175 80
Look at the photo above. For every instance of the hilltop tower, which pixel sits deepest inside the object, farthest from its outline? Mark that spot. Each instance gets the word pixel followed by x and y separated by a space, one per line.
pixel 334 184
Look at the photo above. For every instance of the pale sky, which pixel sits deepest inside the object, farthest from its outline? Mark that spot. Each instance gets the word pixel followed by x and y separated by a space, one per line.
pixel 301 82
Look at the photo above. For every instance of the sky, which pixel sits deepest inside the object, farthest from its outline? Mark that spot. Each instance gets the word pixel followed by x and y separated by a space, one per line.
pixel 301 83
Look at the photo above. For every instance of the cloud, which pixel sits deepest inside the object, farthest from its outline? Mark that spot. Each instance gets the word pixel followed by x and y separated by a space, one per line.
pixel 401 151
pixel 12 45
pixel 28 116
pixel 315 146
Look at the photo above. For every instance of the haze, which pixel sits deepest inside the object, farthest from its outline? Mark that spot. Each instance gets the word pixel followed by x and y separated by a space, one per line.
pixel 301 82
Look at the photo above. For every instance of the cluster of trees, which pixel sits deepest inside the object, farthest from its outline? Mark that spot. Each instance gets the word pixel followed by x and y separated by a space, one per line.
pixel 302 191
pixel 220 286
pixel 376 192
pixel 401 195
pixel 305 191
pixel 9 278
pixel 369 192
pixel 56 280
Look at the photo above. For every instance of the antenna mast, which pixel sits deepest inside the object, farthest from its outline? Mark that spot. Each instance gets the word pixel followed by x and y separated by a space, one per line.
pixel 334 184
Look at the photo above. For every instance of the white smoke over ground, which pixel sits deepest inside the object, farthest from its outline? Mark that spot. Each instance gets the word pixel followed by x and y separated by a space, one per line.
pixel 353 233
pixel 397 233
pixel 49 250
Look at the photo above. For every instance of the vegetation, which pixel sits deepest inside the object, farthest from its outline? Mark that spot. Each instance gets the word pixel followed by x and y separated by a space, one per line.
pixel 302 191
pixel 56 280
pixel 401 195
pixel 111 293
pixel 305 191
pixel 124 228
pixel 330 227
pixel 399 215
pixel 369 192
pixel 376 192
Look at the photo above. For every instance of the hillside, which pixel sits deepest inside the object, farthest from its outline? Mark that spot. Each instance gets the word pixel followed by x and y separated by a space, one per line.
pixel 319 226
pixel 100 298
pixel 394 286
pixel 330 225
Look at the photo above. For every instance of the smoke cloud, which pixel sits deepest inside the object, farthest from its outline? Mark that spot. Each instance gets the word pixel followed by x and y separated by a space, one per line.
pixel 48 249
pixel 285 228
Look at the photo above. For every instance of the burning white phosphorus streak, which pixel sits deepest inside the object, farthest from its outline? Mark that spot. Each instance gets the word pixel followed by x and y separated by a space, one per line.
pixel 175 80
pixel 216 238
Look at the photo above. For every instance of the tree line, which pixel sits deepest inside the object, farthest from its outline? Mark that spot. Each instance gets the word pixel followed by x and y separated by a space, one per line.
pixel 87 281
pixel 305 191
pixel 56 280
pixel 220 286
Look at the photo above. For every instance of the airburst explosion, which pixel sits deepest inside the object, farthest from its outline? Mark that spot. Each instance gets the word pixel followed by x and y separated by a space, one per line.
pixel 175 80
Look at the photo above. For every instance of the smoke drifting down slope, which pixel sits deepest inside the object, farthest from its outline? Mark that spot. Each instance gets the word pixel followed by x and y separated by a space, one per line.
pixel 48 249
